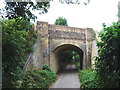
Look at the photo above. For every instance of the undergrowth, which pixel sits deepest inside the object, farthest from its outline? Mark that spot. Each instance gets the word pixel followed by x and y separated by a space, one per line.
pixel 88 78
pixel 18 37
pixel 37 79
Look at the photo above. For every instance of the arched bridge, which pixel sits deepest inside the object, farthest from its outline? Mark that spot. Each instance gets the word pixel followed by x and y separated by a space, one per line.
pixel 55 39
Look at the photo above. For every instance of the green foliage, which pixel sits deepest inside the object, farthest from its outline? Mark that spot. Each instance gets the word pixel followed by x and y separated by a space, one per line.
pixel 77 64
pixel 61 21
pixel 107 66
pixel 17 40
pixel 75 56
pixel 37 79
pixel 23 9
pixel 108 61
pixel 46 67
pixel 88 78
pixel 68 57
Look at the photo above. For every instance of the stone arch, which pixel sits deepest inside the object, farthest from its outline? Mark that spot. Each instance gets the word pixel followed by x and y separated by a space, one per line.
pixel 64 46
pixel 51 37
pixel 80 45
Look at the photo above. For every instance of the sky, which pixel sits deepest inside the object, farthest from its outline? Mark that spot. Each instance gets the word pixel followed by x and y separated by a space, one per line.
pixel 92 15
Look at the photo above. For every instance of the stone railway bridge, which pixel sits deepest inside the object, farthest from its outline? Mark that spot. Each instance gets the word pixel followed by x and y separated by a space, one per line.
pixel 55 39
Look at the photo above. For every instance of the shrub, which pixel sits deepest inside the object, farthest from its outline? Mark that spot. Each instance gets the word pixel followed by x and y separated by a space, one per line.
pixel 108 61
pixel 37 79
pixel 88 78
pixel 17 40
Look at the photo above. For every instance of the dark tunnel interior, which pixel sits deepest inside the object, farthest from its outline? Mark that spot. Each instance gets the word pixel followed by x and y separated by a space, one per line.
pixel 69 54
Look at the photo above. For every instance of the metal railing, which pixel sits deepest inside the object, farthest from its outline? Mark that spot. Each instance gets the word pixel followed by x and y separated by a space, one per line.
pixel 26 63
pixel 28 59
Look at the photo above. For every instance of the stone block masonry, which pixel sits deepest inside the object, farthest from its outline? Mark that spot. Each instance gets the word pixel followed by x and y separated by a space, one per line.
pixel 55 39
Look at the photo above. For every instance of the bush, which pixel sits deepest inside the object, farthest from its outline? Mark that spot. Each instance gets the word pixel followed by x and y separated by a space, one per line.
pixel 37 79
pixel 108 61
pixel 88 78
pixel 107 66
pixel 17 40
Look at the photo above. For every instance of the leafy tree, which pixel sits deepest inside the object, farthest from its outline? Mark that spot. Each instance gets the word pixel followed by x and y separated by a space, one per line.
pixel 23 9
pixel 61 21
pixel 17 40
pixel 108 62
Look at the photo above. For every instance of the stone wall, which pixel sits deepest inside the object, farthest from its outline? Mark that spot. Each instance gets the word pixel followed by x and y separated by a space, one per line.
pixel 36 61
pixel 51 37
pixel 66 35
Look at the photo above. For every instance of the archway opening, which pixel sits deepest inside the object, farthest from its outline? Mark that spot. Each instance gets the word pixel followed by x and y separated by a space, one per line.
pixel 68 54
pixel 69 57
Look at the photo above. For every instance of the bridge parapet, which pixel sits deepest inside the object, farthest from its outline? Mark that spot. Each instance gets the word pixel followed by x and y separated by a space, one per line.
pixel 66 28
pixel 65 32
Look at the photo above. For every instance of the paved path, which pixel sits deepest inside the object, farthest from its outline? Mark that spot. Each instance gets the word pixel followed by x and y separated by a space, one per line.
pixel 68 78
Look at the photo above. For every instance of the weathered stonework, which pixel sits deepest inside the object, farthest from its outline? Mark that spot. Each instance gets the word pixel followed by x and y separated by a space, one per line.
pixel 54 39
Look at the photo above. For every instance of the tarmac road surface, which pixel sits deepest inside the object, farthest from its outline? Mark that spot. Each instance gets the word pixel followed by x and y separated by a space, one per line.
pixel 68 78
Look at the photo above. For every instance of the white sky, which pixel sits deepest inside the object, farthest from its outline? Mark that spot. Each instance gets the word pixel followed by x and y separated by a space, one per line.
pixel 82 16
pixel 91 15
